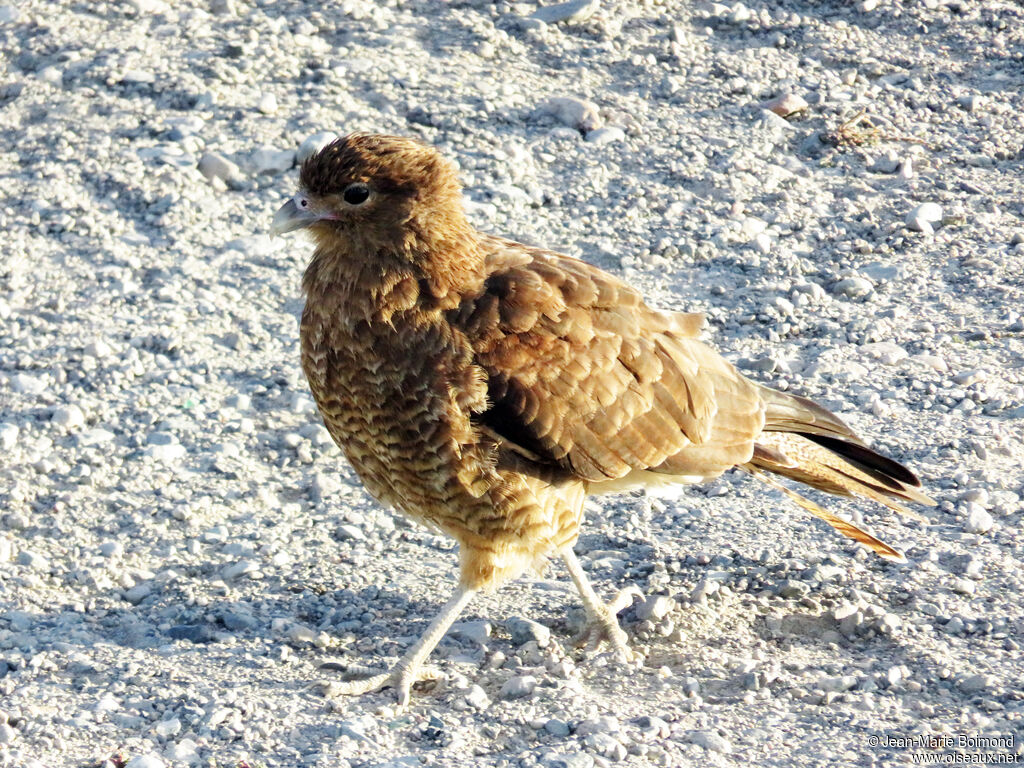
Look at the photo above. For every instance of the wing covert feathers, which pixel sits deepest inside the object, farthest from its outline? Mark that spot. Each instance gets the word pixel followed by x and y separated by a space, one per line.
pixel 582 373
pixel 584 376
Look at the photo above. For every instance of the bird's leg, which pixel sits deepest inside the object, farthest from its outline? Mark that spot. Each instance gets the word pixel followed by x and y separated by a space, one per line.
pixel 602 624
pixel 409 668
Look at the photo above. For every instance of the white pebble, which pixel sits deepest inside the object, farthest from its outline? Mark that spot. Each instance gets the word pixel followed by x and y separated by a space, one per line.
pixel 313 144
pixel 853 287
pixel 152 760
pixel 572 112
pixel 655 608
pixel 921 218
pixel 573 12
pixel 966 378
pixel 24 384
pixel 785 104
pixel 518 687
pixel 8 436
pixel 33 560
pixel 240 568
pixel 605 135
pixel 978 519
pixel 267 160
pixel 711 741
pixel 69 416
pixel 268 104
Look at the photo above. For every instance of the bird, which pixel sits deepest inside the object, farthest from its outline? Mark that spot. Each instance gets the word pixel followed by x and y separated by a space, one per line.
pixel 485 388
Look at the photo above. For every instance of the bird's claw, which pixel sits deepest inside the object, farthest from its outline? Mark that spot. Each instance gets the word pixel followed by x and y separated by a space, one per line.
pixel 361 679
pixel 603 626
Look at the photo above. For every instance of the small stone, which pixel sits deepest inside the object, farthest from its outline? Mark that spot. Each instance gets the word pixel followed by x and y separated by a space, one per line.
pixel 163 446
pixel 791 588
pixel 8 436
pixel 976 683
pixel 152 760
pixel 223 7
pixel 24 384
pixel 8 13
pixel 785 104
pixel 69 416
pixel 240 568
pixel 978 519
pixel 963 587
pixel 602 724
pixel 568 760
pixel 837 684
pixel 886 352
pixel 525 630
pixel 139 592
pixel 239 402
pixel 574 113
pixel 98 349
pixel 349 532
pixel 711 741
pixel 185 751
pixel 194 633
pixel 324 487
pixel 557 727
pixel 966 378
pixel 138 77
pixel 267 104
pixel 215 166
pixel 167 728
pixel 888 163
pixel 6 550
pixel 573 12
pixel 477 697
pixel 518 687
pixel 655 608
pixel 300 634
pixel 270 161
pixel 606 746
pixel 33 560
pixel 921 218
pixel 7 733
pixel 955 626
pixel 969 102
pixel 477 632
pixel 313 144
pixel 605 135
pixel 853 287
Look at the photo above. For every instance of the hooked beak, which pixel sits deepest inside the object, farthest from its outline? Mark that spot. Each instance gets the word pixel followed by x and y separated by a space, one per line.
pixel 290 217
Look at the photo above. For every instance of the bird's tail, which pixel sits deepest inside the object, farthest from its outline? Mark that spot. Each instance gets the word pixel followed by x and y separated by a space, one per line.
pixel 806 443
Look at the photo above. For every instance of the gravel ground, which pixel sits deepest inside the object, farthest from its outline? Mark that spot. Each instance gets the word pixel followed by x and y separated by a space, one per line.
pixel 181 545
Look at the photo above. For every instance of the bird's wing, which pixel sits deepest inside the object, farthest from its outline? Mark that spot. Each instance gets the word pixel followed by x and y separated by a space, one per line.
pixel 583 374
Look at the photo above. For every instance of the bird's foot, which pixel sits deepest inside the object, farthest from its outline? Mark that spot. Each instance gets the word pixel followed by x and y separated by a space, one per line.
pixel 603 625
pixel 360 680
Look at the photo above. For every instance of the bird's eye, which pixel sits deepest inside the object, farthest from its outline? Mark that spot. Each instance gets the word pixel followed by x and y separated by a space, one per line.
pixel 303 202
pixel 356 194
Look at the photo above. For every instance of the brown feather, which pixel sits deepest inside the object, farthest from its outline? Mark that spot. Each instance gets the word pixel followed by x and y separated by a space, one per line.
pixel 484 387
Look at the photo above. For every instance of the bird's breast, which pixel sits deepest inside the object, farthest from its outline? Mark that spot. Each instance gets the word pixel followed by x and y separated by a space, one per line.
pixel 390 397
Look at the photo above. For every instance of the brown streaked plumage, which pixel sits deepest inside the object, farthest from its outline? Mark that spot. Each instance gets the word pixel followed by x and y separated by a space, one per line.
pixel 485 388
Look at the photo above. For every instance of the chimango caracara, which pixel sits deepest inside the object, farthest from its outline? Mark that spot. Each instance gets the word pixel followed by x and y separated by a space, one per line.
pixel 485 388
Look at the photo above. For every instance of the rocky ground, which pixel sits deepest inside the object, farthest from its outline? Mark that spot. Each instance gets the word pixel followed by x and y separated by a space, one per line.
pixel 181 545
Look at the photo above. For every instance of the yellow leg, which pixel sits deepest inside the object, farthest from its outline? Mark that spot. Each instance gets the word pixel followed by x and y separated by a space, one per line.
pixel 602 624
pixel 409 668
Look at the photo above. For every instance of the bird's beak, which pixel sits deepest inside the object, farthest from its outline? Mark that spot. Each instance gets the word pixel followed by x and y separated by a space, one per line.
pixel 290 217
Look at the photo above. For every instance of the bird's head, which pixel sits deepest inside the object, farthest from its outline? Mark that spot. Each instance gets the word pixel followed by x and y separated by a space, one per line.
pixel 365 196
